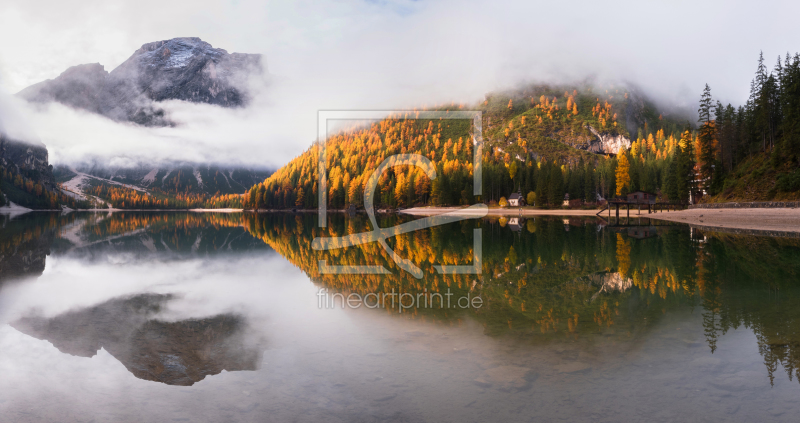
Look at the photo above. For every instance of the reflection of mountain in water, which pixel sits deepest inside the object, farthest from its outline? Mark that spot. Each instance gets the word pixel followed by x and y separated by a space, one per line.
pixel 26 240
pixel 543 279
pixel 175 353
pixel 145 235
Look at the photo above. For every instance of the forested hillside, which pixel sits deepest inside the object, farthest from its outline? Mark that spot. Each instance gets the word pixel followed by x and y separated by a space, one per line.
pixel 26 177
pixel 755 148
pixel 542 140
pixel 123 197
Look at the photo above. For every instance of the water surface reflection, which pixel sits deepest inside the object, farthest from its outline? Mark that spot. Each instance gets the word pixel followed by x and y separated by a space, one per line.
pixel 175 353
pixel 580 320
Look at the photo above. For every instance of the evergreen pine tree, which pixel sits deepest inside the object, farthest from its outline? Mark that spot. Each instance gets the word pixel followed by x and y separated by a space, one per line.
pixel 589 187
pixel 579 190
pixel 685 176
pixel 791 109
pixel 543 183
pixel 705 105
pixel 670 187
pixel 706 136
pixel 556 188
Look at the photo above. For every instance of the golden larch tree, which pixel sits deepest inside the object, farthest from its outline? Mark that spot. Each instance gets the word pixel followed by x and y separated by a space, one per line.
pixel 623 174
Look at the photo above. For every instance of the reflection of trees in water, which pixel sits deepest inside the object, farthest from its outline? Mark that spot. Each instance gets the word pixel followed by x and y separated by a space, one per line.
pixel 25 242
pixel 175 353
pixel 562 281
pixel 165 235
pixel 551 278
pixel 547 281
pixel 753 282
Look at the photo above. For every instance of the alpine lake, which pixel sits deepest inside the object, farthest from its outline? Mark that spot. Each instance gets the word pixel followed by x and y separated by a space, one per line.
pixel 233 317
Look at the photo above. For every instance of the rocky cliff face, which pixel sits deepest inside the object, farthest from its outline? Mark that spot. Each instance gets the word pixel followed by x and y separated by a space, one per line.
pixel 186 69
pixel 80 86
pixel 607 143
pixel 29 160
pixel 26 158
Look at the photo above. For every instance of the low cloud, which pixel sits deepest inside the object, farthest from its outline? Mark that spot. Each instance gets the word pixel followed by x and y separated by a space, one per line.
pixel 392 54
pixel 203 134
pixel 12 123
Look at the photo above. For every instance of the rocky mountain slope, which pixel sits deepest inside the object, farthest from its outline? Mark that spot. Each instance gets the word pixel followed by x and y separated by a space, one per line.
pixel 558 122
pixel 177 177
pixel 186 69
pixel 26 157
pixel 26 176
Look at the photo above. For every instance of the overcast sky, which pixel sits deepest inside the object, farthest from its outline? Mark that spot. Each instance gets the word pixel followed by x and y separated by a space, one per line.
pixel 355 54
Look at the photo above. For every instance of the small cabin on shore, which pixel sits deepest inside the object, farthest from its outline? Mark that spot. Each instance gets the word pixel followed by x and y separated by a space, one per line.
pixel 642 197
pixel 516 200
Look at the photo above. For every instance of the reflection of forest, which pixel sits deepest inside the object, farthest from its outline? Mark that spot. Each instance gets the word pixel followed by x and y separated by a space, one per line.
pixel 542 278
pixel 546 275
pixel 557 278
pixel 25 242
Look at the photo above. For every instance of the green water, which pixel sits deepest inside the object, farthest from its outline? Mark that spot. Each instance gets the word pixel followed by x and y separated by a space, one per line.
pixel 227 317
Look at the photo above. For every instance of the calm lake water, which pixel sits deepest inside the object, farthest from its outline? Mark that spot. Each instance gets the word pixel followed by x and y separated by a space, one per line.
pixel 162 317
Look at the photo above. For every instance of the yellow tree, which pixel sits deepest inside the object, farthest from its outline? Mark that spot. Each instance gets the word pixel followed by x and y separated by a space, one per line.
pixel 623 174
pixel 635 148
pixel 399 188
pixel 623 255
pixel 512 169
pixel 422 185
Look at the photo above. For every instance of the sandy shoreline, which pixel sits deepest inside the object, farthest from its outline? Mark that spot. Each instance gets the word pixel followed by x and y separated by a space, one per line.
pixel 433 211
pixel 759 219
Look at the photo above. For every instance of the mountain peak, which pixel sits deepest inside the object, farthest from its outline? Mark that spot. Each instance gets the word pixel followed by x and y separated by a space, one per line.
pixel 185 41
pixel 88 69
pixel 178 53
pixel 184 68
